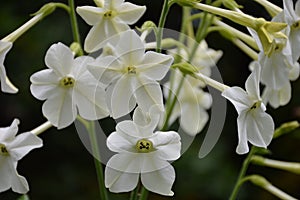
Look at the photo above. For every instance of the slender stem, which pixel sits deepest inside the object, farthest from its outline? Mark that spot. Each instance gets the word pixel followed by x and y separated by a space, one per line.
pixel 211 82
pixel 42 128
pixel 74 23
pixel 279 193
pixel 144 194
pixel 270 7
pixel 134 193
pixel 242 173
pixel 246 49
pixel 99 170
pixel 161 24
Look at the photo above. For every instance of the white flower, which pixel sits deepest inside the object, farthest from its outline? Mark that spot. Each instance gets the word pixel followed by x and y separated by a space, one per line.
pixel 68 88
pixel 141 154
pixel 254 124
pixel 292 18
pixel 6 85
pixel 278 97
pixel 12 149
pixel 191 105
pixel 110 20
pixel 131 75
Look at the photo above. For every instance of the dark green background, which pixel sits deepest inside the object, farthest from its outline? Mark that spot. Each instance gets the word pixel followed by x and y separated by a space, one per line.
pixel 63 168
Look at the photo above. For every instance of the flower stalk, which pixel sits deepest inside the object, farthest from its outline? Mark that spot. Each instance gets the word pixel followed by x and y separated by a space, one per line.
pixel 42 128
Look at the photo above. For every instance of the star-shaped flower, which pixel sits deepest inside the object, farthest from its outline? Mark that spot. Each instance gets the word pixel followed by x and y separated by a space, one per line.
pixel 12 149
pixel 110 20
pixel 141 154
pixel 254 124
pixel 68 88
pixel 6 85
pixel 131 75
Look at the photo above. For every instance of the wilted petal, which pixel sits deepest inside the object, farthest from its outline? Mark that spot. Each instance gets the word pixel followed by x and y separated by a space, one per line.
pixel 118 181
pixel 155 65
pixel 130 13
pixel 159 181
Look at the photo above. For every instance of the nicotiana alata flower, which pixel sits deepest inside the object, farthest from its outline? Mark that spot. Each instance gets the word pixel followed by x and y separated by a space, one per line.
pixel 68 88
pixel 12 149
pixel 107 21
pixel 292 18
pixel 141 154
pixel 191 105
pixel 131 75
pixel 6 85
pixel 254 124
pixel 278 97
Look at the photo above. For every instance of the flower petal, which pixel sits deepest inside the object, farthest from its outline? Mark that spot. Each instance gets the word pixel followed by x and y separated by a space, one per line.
pixel 155 65
pixel 118 181
pixel 91 15
pixel 238 97
pixel 96 38
pixel 131 129
pixel 43 84
pixel 130 13
pixel 60 109
pixel 18 182
pixel 167 144
pixel 5 173
pixel 159 181
pixel 126 162
pixel 59 57
pixel 23 144
pixel 242 147
pixel 9 133
pixel 252 82
pixel 120 142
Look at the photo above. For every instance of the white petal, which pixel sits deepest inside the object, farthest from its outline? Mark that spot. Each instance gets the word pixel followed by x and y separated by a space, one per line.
pixel 155 66
pixel 19 183
pixel 59 57
pixel 122 95
pixel 130 128
pixel 44 84
pixel 113 4
pixel 294 71
pixel 238 97
pixel 159 181
pixel 126 162
pixel 252 82
pixel 167 144
pixel 60 109
pixel 297 8
pixel 89 97
pixel 294 38
pixel 106 69
pixel 278 98
pixel 130 13
pixel 96 38
pixel 118 181
pixel 5 173
pixel 148 120
pixel 23 144
pixel 148 93
pixel 130 48
pixel 113 28
pixel 120 142
pixel 242 147
pixel 8 133
pixel 193 118
pixel 91 15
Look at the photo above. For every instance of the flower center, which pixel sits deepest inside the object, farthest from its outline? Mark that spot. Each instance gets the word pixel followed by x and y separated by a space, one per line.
pixel 255 105
pixel 3 150
pixel 108 14
pixel 131 70
pixel 67 82
pixel 296 25
pixel 144 146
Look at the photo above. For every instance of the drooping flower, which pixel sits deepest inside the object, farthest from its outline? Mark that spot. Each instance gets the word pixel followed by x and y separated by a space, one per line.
pixel 254 124
pixel 6 85
pixel 191 104
pixel 12 149
pixel 278 97
pixel 141 154
pixel 113 18
pixel 68 88
pixel 131 75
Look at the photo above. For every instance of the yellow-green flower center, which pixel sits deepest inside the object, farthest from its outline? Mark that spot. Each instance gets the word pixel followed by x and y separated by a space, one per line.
pixel 109 14
pixel 296 25
pixel 144 146
pixel 3 150
pixel 131 70
pixel 67 82
pixel 255 105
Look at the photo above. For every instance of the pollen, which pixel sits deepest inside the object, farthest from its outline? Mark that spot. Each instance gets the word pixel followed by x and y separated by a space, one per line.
pixel 67 82
pixel 296 25
pixel 131 70
pixel 144 146
pixel 108 14
pixel 255 105
pixel 3 150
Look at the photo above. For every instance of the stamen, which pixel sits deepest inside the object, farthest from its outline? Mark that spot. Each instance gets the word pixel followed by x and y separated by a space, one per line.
pixel 131 70
pixel 144 146
pixel 108 14
pixel 3 150
pixel 67 82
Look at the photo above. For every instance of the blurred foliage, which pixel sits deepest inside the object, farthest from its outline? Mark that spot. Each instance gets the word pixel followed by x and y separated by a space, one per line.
pixel 63 168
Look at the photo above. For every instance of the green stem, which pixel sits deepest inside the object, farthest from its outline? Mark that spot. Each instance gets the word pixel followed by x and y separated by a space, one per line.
pixel 144 193
pixel 74 24
pixel 242 174
pixel 134 193
pixel 161 25
pixel 90 126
